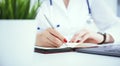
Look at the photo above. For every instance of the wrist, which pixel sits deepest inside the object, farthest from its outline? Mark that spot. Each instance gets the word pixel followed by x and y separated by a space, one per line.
pixel 104 37
pixel 107 38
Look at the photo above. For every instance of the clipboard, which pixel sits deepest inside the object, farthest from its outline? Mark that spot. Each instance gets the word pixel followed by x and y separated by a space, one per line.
pixel 105 49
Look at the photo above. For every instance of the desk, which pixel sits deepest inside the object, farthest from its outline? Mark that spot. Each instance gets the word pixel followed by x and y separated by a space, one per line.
pixel 74 59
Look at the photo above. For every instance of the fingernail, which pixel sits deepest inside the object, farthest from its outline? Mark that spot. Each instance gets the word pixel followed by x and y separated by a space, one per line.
pixel 65 40
pixel 78 41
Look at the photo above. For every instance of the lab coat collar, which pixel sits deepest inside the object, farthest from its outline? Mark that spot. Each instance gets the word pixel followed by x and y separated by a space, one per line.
pixel 60 4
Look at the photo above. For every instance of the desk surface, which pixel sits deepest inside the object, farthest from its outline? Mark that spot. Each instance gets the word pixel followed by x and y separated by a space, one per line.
pixel 74 59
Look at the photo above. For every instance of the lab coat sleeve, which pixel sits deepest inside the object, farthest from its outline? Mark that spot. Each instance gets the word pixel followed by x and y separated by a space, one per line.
pixel 105 19
pixel 40 18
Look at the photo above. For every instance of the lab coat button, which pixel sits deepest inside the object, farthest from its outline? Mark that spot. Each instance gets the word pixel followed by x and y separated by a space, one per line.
pixel 38 28
pixel 58 25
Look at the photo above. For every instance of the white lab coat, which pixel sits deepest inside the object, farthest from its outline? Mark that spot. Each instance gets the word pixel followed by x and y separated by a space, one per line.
pixel 74 18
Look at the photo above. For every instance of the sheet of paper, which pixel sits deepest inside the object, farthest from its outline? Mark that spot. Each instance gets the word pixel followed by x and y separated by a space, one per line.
pixel 71 45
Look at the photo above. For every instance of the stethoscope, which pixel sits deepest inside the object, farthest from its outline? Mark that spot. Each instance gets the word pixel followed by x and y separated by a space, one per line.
pixel 89 20
pixel 87 1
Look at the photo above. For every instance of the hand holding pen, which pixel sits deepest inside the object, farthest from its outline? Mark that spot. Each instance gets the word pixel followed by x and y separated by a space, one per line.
pixel 50 37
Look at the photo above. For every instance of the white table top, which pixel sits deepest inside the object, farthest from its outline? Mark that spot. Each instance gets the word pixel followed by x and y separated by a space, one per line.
pixel 74 59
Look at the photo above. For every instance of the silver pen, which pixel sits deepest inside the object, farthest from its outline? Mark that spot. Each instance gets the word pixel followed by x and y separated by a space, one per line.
pixel 50 23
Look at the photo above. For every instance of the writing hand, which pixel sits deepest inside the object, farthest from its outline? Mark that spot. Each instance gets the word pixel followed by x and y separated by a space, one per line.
pixel 50 38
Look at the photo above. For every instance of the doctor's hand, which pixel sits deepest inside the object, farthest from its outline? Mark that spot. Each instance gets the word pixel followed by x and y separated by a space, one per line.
pixel 86 36
pixel 50 38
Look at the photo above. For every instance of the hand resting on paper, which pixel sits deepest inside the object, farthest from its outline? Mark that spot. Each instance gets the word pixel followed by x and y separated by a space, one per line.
pixel 87 36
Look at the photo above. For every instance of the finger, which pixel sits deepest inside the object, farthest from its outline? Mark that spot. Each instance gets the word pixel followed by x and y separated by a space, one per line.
pixel 84 38
pixel 57 34
pixel 51 44
pixel 74 37
pixel 43 41
pixel 55 41
pixel 78 36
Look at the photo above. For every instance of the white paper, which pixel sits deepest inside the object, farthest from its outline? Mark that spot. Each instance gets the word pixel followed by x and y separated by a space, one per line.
pixel 71 45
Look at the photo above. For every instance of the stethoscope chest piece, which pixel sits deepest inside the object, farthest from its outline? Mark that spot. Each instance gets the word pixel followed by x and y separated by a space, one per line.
pixel 89 21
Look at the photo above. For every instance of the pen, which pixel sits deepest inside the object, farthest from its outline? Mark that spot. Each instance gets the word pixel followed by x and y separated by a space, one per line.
pixel 50 23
